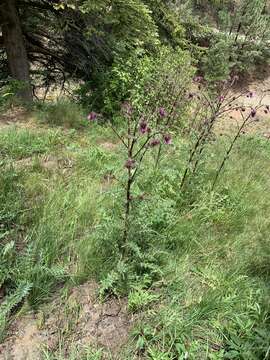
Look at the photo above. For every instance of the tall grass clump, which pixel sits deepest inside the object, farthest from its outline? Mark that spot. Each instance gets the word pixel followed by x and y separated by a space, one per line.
pixel 62 112
pixel 43 221
pixel 66 218
pixel 13 219
pixel 18 143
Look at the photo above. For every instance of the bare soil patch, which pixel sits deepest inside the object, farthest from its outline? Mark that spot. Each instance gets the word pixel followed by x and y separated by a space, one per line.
pixel 77 319
pixel 261 125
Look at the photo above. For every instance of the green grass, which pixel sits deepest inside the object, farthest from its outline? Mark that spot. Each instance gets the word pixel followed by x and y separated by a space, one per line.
pixel 16 143
pixel 87 353
pixel 216 299
pixel 198 274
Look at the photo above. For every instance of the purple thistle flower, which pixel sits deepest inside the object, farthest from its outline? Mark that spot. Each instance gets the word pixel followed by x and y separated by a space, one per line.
pixel 167 139
pixel 144 127
pixel 92 116
pixel 154 142
pixel 162 112
pixel 130 163
pixel 253 113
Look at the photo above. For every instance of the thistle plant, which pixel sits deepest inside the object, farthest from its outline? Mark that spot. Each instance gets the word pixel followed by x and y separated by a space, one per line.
pixel 150 116
pixel 143 135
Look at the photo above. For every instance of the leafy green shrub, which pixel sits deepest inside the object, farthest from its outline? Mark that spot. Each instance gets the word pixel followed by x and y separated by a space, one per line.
pixel 139 76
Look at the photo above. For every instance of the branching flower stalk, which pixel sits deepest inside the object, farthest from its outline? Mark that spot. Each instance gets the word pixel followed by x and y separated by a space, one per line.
pixel 201 141
pixel 246 121
pixel 215 108
pixel 141 136
pixel 172 116
pixel 222 108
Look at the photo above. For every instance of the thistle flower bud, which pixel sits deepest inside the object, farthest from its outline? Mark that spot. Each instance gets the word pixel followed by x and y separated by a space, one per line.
pixel 221 98
pixel 162 112
pixel 167 139
pixel 154 142
pixel 250 94
pixel 143 127
pixel 92 116
pixel 130 164
pixel 253 113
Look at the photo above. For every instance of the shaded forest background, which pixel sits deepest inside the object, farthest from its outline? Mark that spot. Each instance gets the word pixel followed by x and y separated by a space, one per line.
pixel 45 43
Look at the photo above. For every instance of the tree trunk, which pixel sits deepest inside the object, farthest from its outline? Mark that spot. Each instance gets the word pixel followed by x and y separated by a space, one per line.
pixel 15 47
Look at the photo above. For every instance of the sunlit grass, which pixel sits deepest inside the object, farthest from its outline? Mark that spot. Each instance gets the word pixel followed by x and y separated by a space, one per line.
pixel 18 143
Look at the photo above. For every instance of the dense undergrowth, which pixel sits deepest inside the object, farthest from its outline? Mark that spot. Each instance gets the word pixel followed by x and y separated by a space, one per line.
pixel 198 271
